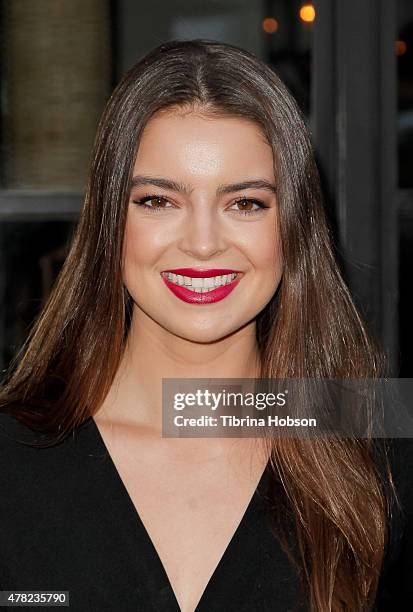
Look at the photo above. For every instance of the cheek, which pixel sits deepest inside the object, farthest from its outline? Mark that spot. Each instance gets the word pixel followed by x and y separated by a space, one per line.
pixel 272 249
pixel 269 264
pixel 264 246
pixel 141 246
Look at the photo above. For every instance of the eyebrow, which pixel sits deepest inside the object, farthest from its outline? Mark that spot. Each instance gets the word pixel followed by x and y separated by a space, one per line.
pixel 163 183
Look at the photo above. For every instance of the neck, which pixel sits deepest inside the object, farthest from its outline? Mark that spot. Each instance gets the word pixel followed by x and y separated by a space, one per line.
pixel 153 353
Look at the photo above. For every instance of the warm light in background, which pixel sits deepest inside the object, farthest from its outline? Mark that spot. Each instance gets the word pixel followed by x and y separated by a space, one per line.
pixel 270 25
pixel 401 47
pixel 307 13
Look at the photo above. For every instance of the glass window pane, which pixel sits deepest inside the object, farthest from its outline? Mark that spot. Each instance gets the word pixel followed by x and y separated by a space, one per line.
pixel 33 254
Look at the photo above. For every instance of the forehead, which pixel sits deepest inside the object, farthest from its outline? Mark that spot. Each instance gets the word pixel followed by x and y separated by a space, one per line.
pixel 202 145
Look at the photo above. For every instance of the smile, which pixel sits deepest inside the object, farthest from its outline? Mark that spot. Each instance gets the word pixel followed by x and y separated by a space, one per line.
pixel 201 286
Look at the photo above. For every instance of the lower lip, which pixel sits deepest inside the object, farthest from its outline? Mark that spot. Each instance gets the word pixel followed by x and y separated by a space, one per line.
pixel 210 297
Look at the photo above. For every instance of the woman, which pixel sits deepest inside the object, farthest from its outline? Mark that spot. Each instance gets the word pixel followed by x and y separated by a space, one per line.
pixel 202 168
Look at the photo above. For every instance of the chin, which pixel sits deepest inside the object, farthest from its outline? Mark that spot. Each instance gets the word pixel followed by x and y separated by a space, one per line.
pixel 201 335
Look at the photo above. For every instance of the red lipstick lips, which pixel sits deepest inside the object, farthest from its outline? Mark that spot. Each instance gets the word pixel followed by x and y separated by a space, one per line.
pixel 193 297
pixel 202 272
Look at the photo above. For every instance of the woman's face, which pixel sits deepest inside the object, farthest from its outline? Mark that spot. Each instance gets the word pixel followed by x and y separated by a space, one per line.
pixel 189 172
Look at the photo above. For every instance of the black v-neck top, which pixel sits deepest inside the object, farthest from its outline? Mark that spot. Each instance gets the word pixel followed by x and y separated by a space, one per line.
pixel 68 523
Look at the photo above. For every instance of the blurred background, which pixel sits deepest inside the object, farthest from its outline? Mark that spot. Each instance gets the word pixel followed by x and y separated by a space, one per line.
pixel 349 65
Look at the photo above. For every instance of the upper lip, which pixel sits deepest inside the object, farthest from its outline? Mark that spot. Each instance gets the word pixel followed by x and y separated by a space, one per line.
pixel 201 272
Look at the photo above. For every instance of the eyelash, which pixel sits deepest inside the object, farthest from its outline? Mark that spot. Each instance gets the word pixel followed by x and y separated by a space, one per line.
pixel 141 202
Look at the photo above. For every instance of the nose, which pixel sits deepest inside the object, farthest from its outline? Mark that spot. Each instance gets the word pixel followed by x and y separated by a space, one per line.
pixel 202 234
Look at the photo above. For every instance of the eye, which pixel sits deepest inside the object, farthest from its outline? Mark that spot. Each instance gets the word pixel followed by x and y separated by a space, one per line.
pixel 158 203
pixel 247 206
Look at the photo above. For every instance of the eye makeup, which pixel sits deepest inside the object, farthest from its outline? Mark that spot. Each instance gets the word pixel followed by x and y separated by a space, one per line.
pixel 142 202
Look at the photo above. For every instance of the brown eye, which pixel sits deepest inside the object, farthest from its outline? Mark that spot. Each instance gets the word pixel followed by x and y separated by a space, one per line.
pixel 249 206
pixel 156 203
pixel 245 204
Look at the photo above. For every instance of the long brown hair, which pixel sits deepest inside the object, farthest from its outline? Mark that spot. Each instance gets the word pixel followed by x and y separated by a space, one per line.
pixel 331 491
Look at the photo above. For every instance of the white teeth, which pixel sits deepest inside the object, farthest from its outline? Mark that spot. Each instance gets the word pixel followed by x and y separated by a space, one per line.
pixel 200 285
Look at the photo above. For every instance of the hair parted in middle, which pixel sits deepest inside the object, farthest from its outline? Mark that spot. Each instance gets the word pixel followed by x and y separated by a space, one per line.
pixel 329 491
